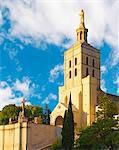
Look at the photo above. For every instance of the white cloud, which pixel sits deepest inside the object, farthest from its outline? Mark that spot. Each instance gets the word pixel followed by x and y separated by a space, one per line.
pixel 6 95
pixel 103 87
pixel 1 19
pixel 117 83
pixel 23 86
pixel 3 84
pixel 27 88
pixel 55 72
pixel 51 21
pixel 12 93
pixel 103 69
pixel 51 96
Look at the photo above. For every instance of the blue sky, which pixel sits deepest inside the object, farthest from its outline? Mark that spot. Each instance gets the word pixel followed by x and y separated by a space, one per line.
pixel 33 38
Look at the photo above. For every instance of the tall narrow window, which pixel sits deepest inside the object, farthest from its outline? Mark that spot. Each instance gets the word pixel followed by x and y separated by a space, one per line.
pixel 81 35
pixel 86 60
pixel 93 63
pixel 93 73
pixel 75 72
pixel 70 64
pixel 86 71
pixel 69 74
pixel 75 61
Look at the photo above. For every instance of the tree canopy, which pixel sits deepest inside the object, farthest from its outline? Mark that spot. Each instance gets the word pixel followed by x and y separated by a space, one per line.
pixel 104 133
pixel 12 111
pixel 106 108
pixel 9 111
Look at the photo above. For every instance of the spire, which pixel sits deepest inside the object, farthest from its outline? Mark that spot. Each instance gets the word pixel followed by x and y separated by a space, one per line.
pixel 82 31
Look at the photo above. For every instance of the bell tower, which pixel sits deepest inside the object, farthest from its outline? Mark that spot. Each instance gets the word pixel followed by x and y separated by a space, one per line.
pixel 82 31
pixel 81 79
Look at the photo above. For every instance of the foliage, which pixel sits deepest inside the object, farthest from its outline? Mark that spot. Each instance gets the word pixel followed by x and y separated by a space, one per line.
pixel 12 111
pixel 9 111
pixel 104 133
pixel 33 111
pixel 106 108
pixel 57 144
pixel 68 128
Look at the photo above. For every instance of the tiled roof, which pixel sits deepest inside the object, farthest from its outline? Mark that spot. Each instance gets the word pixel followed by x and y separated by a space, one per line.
pixel 89 45
pixel 110 96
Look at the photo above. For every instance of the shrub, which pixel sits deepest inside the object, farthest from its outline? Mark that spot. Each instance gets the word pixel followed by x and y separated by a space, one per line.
pixel 57 145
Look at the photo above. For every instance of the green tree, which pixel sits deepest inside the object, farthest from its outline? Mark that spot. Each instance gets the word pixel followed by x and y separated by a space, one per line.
pixel 28 111
pixel 33 111
pixel 68 128
pixel 36 111
pixel 104 133
pixel 106 108
pixel 9 111
pixel 12 111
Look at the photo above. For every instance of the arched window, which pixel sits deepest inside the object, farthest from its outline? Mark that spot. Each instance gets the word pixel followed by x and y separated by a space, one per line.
pixel 75 72
pixel 93 63
pixel 87 72
pixel 81 35
pixel 86 60
pixel 70 64
pixel 69 74
pixel 93 73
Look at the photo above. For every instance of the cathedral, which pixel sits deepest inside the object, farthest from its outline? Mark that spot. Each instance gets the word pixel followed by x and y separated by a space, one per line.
pixel 81 79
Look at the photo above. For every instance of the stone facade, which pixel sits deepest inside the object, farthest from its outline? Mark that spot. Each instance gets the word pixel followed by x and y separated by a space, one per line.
pixel 27 136
pixel 81 79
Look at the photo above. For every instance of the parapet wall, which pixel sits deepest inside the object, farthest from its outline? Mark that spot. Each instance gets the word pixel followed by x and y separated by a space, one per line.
pixel 41 135
pixel 27 136
pixel 12 137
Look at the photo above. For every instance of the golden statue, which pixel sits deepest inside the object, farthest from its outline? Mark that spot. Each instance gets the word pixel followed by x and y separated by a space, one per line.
pixel 82 18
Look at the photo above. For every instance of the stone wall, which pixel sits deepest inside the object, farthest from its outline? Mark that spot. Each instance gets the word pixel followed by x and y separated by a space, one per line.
pixel 27 136
pixel 41 135
pixel 13 137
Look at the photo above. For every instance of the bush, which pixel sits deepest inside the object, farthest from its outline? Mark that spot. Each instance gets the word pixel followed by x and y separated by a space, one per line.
pixel 57 145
